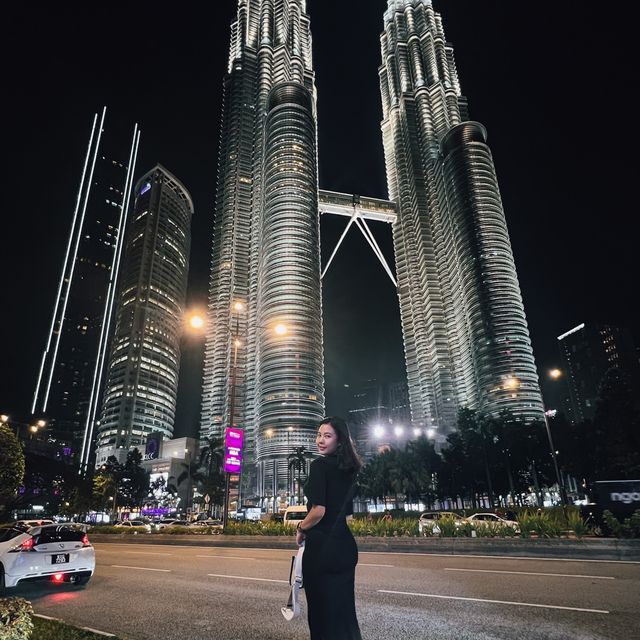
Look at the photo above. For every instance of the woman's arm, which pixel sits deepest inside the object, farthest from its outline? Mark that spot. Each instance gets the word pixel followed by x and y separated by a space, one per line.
pixel 316 513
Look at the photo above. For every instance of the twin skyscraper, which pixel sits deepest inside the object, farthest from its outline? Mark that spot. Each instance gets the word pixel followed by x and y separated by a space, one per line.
pixel 464 327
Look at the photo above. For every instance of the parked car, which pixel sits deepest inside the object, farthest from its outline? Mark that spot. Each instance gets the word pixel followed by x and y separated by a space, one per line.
pixel 133 523
pixel 52 552
pixel 294 514
pixel 492 518
pixel 428 521
pixel 25 525
pixel 171 522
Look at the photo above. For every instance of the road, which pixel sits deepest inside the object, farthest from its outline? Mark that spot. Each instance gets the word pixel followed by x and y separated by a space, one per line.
pixel 146 592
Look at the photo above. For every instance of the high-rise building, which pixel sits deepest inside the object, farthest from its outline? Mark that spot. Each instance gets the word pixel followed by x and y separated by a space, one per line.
pixel 144 360
pixel 67 390
pixel 465 333
pixel 588 351
pixel 264 356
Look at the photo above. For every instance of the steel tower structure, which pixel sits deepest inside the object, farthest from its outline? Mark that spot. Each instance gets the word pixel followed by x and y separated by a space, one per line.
pixel 465 331
pixel 265 266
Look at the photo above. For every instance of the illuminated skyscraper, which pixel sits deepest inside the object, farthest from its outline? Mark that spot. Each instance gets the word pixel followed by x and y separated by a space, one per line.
pixel 465 331
pixel 67 388
pixel 144 361
pixel 265 267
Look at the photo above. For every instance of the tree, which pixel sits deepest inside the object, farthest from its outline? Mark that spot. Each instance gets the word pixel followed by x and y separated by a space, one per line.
pixel 297 464
pixel 133 481
pixel 12 468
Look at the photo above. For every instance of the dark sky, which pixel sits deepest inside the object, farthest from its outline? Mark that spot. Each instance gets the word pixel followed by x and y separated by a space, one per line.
pixel 552 82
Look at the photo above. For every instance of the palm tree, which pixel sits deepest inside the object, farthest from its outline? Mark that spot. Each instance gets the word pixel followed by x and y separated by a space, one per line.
pixel 297 464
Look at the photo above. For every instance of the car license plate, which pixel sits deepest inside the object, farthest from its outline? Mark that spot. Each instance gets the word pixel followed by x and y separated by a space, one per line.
pixel 60 558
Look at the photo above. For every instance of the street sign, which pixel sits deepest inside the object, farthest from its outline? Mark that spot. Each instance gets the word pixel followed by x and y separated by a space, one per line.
pixel 207 499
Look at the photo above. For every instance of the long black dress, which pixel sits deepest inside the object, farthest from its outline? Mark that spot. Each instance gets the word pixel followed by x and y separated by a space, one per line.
pixel 330 554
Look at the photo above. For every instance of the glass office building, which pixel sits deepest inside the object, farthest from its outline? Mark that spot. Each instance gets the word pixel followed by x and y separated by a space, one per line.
pixel 144 360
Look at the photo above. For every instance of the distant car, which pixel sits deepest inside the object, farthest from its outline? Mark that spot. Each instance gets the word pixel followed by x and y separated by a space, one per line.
pixel 25 525
pixel 133 523
pixel 294 514
pixel 428 521
pixel 52 552
pixel 492 518
pixel 171 522
pixel 215 525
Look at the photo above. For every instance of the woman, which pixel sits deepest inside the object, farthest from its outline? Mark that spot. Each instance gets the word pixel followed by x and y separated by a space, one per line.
pixel 330 554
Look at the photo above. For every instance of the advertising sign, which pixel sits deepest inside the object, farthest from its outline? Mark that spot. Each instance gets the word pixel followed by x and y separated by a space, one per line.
pixel 621 497
pixel 233 442
pixel 152 447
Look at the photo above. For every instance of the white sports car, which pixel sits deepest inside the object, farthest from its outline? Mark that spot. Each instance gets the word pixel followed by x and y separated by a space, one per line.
pixel 53 552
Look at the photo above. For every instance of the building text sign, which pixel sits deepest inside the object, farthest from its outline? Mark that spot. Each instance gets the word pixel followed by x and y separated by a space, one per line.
pixel 233 441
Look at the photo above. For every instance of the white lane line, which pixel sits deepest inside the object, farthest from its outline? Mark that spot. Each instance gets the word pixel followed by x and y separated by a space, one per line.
pixel 232 557
pixel 124 566
pixel 462 556
pixel 96 631
pixel 148 553
pixel 517 604
pixel 371 564
pixel 533 573
pixel 388 553
pixel 222 575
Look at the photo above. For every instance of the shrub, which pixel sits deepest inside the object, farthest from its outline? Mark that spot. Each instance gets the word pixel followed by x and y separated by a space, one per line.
pixel 577 524
pixel 630 528
pixel 15 619
pixel 109 529
pixel 447 526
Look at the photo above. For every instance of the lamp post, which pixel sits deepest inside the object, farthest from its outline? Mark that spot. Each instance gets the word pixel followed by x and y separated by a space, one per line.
pixel 555 374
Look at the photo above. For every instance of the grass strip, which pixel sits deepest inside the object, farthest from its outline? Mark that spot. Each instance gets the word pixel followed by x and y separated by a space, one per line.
pixel 54 630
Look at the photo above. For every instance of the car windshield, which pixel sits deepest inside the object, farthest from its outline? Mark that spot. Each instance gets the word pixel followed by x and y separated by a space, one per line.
pixel 60 533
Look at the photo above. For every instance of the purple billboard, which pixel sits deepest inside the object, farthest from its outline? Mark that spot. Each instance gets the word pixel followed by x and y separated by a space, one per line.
pixel 233 441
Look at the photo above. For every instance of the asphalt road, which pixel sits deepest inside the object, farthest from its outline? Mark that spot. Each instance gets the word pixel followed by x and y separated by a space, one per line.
pixel 148 592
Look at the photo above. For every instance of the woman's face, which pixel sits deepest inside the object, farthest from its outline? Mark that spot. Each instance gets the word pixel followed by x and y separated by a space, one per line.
pixel 327 439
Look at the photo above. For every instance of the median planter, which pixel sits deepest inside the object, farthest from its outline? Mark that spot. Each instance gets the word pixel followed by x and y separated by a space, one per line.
pixel 15 619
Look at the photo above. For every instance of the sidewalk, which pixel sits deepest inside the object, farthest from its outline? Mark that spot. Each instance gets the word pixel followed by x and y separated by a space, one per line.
pixel 585 549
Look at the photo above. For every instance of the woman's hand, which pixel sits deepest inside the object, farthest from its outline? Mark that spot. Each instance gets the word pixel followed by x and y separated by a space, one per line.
pixel 300 537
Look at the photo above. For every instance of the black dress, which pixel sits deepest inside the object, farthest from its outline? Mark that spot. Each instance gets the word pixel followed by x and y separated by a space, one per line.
pixel 330 554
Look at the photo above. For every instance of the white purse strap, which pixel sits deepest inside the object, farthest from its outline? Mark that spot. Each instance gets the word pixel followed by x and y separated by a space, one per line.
pixel 292 610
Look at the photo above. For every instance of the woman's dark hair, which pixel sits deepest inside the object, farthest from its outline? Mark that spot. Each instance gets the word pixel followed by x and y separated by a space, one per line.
pixel 348 458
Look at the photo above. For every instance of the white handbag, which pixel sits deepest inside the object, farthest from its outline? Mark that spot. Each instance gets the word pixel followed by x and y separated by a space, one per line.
pixel 292 610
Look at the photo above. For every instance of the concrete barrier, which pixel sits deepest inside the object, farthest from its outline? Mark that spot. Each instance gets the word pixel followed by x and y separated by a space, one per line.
pixel 585 549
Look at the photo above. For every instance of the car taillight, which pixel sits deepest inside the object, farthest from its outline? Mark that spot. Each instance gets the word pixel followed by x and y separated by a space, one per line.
pixel 58 577
pixel 27 545
pixel 85 541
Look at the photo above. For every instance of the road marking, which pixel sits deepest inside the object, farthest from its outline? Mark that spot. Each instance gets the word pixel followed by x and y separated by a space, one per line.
pixel 469 555
pixel 370 564
pixel 221 575
pixel 518 604
pixel 232 557
pixel 533 573
pixel 97 631
pixel 377 553
pixel 124 566
pixel 149 553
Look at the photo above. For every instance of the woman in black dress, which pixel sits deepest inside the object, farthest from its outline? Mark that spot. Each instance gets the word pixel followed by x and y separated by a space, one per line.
pixel 330 554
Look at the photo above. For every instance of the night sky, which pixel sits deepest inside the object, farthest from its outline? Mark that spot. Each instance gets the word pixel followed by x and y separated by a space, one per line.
pixel 552 82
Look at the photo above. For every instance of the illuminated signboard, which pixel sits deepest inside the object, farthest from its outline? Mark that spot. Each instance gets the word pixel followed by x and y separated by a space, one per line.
pixel 233 441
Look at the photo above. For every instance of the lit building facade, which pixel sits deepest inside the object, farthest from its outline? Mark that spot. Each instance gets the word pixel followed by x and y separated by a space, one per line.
pixel 588 351
pixel 144 360
pixel 465 332
pixel 67 388
pixel 265 269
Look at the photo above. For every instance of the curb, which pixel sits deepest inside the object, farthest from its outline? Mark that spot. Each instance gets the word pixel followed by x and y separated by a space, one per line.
pixel 585 549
